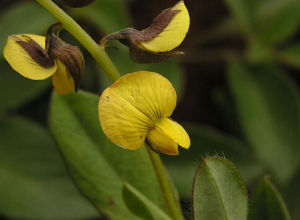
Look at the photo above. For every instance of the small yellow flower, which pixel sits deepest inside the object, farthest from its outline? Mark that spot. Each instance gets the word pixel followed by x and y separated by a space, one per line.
pixel 173 34
pixel 27 55
pixel 156 42
pixel 136 108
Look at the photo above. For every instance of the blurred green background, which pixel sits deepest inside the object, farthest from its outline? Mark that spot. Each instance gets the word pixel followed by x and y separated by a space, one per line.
pixel 238 97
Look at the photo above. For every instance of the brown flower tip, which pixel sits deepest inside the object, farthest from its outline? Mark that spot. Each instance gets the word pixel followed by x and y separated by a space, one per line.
pixel 142 56
pixel 35 51
pixel 133 35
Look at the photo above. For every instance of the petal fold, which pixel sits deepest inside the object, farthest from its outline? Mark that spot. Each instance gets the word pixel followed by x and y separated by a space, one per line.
pixel 167 135
pixel 22 62
pixel 62 80
pixel 172 36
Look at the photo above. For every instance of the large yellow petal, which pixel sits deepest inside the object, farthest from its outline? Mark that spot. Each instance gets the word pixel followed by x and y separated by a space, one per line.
pixel 149 92
pixel 122 123
pixel 62 80
pixel 130 107
pixel 167 135
pixel 22 62
pixel 172 36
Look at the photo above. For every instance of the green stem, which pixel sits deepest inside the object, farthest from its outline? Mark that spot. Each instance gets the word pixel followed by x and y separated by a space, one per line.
pixel 72 27
pixel 165 186
pixel 106 64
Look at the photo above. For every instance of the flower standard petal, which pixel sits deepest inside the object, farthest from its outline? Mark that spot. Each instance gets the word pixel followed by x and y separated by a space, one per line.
pixel 62 80
pixel 172 36
pixel 130 107
pixel 122 122
pixel 149 92
pixel 22 62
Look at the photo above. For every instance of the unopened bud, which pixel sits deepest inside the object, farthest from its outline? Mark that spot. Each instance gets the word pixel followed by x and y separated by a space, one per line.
pixel 69 55
pixel 155 43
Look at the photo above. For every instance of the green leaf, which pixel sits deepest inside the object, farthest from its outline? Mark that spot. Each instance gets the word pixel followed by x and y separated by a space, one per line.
pixel 98 167
pixel 268 107
pixel 292 197
pixel 218 191
pixel 267 204
pixel 23 17
pixel 290 55
pixel 141 205
pixel 33 180
pixel 243 12
pixel 278 20
pixel 208 141
pixel 17 90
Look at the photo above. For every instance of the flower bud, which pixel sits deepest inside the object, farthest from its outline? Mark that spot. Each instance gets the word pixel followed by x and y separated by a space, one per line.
pixel 69 55
pixel 76 3
pixel 156 42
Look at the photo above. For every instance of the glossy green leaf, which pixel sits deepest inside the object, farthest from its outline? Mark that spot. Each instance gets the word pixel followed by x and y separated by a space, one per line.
pixel 33 180
pixel 278 20
pixel 208 141
pixel 218 191
pixel 268 107
pixel 267 204
pixel 17 90
pixel 290 55
pixel 141 205
pixel 23 17
pixel 97 166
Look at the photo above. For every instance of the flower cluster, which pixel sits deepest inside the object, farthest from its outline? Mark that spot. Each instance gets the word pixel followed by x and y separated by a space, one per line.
pixel 137 107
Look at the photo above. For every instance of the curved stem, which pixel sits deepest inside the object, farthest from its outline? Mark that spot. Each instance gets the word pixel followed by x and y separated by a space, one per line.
pixel 165 186
pixel 95 50
pixel 106 64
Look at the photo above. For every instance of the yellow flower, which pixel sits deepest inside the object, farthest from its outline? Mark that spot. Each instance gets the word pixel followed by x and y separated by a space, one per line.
pixel 156 42
pixel 173 34
pixel 136 108
pixel 27 55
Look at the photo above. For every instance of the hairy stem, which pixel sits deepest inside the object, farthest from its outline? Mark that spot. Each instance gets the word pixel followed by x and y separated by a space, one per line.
pixel 73 28
pixel 106 64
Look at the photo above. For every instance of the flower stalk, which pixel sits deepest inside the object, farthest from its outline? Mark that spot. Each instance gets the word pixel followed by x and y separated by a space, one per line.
pixel 164 183
pixel 99 54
